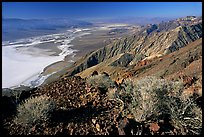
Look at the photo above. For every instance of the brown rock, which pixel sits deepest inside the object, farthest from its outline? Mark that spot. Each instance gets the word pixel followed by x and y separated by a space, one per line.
pixel 192 90
pixel 154 127
pixel 188 81
pixel 142 63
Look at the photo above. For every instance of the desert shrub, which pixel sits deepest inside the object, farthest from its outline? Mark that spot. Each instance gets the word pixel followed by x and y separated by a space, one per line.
pixel 101 81
pixel 34 110
pixel 186 116
pixel 146 96
pixel 150 96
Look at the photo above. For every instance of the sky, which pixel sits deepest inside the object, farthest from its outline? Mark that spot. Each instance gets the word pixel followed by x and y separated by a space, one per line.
pixel 90 10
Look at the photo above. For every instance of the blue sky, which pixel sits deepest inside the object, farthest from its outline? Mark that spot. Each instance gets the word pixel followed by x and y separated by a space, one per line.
pixel 29 10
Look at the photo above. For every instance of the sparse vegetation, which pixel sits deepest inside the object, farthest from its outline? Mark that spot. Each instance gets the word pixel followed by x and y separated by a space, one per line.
pixel 143 103
pixel 34 110
pixel 150 97
pixel 102 81
pixel 186 116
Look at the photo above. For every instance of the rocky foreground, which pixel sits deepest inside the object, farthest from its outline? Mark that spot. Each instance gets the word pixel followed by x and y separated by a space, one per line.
pixel 80 109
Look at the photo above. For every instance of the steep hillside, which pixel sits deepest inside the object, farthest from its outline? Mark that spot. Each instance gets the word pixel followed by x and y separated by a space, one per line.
pixel 186 62
pixel 155 40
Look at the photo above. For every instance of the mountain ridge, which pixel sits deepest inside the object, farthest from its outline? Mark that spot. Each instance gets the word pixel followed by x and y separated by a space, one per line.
pixel 154 43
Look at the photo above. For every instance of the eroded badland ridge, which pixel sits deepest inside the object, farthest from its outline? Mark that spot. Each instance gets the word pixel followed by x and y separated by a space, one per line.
pixel 149 83
pixel 153 41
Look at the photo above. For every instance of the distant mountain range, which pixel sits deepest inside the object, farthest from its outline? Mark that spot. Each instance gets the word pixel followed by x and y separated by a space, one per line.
pixel 13 28
pixel 134 20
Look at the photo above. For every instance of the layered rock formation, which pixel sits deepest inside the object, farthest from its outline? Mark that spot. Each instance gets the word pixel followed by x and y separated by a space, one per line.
pixel 154 40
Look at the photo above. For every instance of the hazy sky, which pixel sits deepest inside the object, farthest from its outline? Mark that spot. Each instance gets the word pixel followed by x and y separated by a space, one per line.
pixel 28 10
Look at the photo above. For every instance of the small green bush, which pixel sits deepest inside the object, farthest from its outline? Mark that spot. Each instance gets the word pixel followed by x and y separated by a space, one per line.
pixel 101 81
pixel 151 96
pixel 34 110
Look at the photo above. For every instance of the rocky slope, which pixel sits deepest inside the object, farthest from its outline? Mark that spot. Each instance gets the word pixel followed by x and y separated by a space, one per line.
pixel 80 110
pixel 154 40
pixel 186 62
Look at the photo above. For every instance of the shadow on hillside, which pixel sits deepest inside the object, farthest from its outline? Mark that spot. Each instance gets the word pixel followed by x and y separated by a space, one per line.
pixel 77 115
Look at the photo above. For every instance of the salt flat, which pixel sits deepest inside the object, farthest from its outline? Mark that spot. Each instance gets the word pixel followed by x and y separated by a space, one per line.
pixel 23 61
pixel 30 61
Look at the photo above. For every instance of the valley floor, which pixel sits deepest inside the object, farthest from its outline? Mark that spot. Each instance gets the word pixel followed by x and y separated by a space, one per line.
pixel 32 60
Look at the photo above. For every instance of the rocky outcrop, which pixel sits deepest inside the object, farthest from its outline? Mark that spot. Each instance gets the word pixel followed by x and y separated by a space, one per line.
pixel 186 35
pixel 152 28
pixel 123 61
